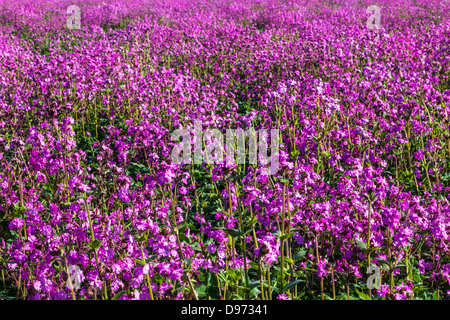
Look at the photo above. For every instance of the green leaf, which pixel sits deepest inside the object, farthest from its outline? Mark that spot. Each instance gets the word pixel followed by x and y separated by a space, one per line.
pixel 288 260
pixel 254 265
pixel 142 238
pixel 242 288
pixel 181 225
pixel 417 276
pixel 382 261
pixel 247 232
pixel 233 274
pixel 222 276
pixel 292 284
pixel 255 291
pixel 195 246
pixel 286 236
pixel 252 221
pixel 201 291
pixel 213 289
pixel 233 232
pixel 362 295
pixel 255 284
pixel 362 245
pixel 236 297
pixel 19 210
pixel 95 244
pixel 139 261
pixel 117 296
pixel 299 255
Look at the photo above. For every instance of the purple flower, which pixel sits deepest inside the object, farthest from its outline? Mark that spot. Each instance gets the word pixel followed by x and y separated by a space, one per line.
pixel 212 248
pixel 322 268
pixel 283 296
pixel 383 291
pixel 16 223
pixel 418 154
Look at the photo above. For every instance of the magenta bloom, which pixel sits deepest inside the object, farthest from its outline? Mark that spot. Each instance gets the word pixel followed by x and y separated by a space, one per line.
pixel 383 291
pixel 16 223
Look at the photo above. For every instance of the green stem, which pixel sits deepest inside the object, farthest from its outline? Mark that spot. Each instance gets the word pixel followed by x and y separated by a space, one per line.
pixel 105 296
pixel 244 250
pixel 261 279
pixel 282 242
pixel 70 281
pixel 3 280
pixel 18 287
pixel 317 259
pixel 332 282
pixel 179 247
pixel 391 275
pixel 368 243
pixel 147 276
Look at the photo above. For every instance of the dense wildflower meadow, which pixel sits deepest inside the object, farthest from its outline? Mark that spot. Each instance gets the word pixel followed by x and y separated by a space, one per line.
pixel 92 205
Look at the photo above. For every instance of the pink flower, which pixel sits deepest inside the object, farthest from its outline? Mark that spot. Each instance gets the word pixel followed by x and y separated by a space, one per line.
pixel 383 291
pixel 212 248
pixel 321 268
pixel 16 223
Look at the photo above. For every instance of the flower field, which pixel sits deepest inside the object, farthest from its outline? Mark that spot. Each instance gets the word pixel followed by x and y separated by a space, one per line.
pixel 93 207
